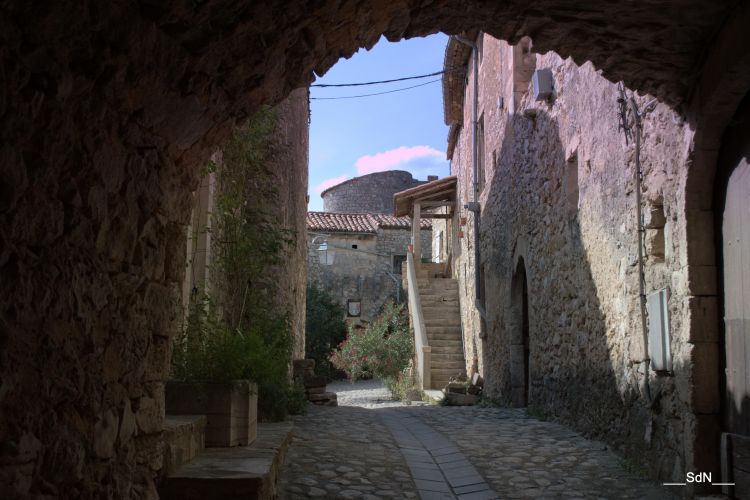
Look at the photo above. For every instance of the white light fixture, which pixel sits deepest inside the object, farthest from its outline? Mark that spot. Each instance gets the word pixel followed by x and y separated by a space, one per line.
pixel 326 255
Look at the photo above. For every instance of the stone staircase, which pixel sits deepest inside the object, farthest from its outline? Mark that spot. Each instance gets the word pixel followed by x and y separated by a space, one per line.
pixel 440 310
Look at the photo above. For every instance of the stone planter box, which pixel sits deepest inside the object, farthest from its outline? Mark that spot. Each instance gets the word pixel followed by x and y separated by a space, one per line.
pixel 231 409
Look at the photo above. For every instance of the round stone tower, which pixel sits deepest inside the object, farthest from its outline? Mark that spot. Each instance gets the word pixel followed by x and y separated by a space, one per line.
pixel 371 193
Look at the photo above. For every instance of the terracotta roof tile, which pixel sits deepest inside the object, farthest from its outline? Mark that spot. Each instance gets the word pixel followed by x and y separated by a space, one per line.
pixel 335 222
pixel 386 221
pixel 331 222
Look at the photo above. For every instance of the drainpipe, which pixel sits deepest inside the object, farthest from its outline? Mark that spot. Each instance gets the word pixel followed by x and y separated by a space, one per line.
pixel 638 115
pixel 473 206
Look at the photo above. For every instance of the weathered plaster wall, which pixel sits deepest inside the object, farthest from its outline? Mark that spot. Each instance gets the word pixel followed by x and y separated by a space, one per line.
pixel 559 194
pixel 362 273
pixel 372 193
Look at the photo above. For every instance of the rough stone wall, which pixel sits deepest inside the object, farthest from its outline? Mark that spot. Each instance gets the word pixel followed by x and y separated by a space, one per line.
pixel 108 111
pixel 291 171
pixel 362 274
pixel 559 194
pixel 372 193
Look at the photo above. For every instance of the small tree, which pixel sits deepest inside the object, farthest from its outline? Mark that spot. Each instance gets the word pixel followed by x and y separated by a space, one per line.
pixel 382 349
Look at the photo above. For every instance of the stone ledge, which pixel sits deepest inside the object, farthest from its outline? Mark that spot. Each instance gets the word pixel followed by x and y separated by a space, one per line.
pixel 247 472
pixel 184 438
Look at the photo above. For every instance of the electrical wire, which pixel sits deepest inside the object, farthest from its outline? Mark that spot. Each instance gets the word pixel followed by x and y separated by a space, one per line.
pixel 376 93
pixel 381 81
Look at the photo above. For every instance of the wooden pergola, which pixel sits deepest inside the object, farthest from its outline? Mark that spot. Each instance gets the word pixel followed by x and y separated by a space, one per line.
pixel 429 196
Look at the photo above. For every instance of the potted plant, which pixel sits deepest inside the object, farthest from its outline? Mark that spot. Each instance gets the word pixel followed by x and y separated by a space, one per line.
pixel 209 372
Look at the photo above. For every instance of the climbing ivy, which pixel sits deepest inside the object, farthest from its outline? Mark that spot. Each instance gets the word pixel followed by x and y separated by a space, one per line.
pixel 235 330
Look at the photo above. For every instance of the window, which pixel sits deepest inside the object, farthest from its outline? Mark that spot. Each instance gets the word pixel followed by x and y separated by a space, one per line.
pixel 398 263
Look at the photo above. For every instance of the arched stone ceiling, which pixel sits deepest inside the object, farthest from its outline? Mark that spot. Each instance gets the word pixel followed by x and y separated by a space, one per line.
pixel 189 70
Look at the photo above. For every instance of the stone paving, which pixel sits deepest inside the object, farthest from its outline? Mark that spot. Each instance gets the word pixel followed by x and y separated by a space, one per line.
pixel 371 447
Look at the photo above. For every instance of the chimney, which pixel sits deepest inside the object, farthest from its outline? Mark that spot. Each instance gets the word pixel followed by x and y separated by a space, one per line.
pixel 431 178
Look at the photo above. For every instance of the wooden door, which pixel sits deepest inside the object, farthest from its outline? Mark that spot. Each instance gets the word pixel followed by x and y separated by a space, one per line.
pixel 736 251
pixel 733 184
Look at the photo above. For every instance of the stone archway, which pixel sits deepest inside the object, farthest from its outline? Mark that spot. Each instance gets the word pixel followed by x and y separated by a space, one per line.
pixel 108 111
pixel 520 348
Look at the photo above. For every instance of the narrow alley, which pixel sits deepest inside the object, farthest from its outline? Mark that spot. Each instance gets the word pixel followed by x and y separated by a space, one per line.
pixel 211 210
pixel 371 447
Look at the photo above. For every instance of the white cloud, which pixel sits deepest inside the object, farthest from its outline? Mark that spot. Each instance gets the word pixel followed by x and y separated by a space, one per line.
pixel 419 160
pixel 323 185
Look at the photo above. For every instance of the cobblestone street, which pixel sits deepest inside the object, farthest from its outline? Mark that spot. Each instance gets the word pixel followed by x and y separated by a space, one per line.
pixel 371 447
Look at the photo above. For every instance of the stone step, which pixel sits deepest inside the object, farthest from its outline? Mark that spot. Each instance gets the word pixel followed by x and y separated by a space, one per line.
pixel 446 373
pixel 438 282
pixel 233 473
pixel 433 288
pixel 438 299
pixel 445 330
pixel 444 343
pixel 432 322
pixel 453 339
pixel 184 437
pixel 439 357
pixel 451 349
pixel 438 365
pixel 431 293
pixel 438 318
pixel 435 312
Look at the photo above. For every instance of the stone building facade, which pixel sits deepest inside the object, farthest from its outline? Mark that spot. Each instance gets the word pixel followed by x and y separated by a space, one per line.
pixel 557 325
pixel 364 258
pixel 371 193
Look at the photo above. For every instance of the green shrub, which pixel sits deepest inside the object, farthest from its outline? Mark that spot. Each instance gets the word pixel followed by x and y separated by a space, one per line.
pixel 325 329
pixel 382 349
pixel 210 350
pixel 404 388
pixel 236 330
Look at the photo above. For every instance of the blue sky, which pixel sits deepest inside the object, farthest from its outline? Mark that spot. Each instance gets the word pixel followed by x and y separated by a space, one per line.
pixel 398 131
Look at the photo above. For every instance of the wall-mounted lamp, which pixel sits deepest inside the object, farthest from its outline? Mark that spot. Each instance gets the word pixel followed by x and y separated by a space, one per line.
pixel 326 253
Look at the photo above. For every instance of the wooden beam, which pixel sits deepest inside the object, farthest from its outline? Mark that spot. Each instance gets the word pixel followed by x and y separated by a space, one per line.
pixel 437 216
pixel 429 204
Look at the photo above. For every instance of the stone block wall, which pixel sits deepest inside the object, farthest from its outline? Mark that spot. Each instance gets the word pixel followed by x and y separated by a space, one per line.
pixel 558 200
pixel 372 193
pixel 291 171
pixel 362 273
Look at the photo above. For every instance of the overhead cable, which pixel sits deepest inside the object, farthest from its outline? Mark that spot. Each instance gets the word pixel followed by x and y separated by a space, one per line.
pixel 376 93
pixel 375 83
pixel 358 84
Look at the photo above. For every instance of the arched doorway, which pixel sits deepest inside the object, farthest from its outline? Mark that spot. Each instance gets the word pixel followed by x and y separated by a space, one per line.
pixel 732 211
pixel 520 348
